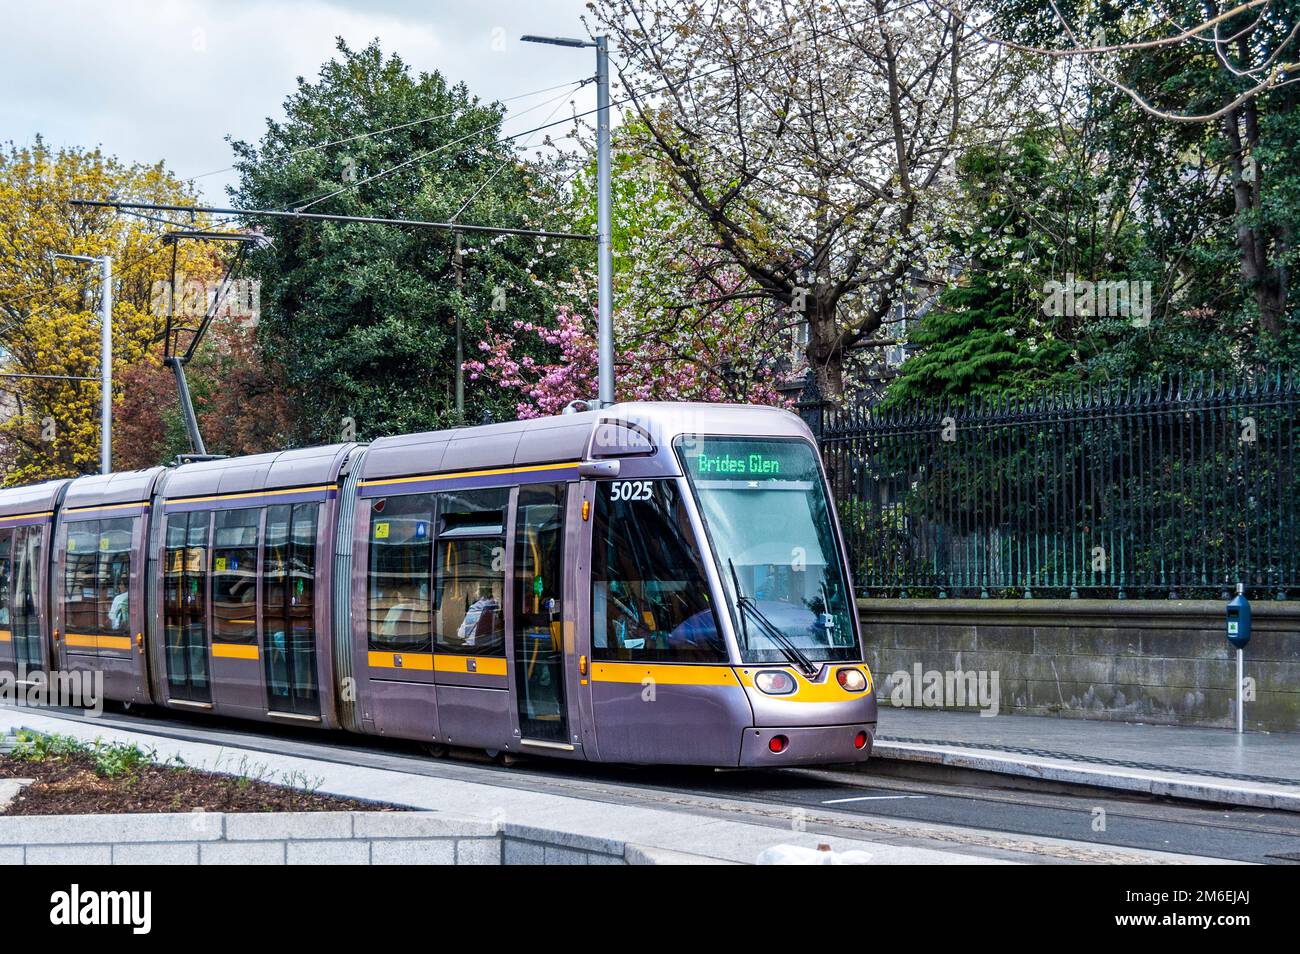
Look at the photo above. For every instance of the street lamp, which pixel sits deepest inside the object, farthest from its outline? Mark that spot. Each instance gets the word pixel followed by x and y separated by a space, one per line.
pixel 604 216
pixel 105 354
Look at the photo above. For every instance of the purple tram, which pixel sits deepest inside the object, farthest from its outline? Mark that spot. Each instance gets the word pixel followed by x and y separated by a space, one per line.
pixel 648 583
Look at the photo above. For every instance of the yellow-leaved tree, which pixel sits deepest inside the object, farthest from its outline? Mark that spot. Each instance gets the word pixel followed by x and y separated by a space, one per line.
pixel 49 310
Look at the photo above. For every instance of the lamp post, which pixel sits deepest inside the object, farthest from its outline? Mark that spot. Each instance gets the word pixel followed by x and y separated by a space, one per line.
pixel 604 214
pixel 105 263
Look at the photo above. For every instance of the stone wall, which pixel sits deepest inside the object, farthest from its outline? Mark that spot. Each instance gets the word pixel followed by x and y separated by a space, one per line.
pixel 313 838
pixel 1132 660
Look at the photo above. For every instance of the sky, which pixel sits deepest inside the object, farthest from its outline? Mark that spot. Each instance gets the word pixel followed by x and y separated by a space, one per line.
pixel 152 80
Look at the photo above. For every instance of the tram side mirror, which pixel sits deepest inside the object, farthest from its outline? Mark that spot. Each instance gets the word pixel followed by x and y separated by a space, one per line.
pixel 1239 621
pixel 598 469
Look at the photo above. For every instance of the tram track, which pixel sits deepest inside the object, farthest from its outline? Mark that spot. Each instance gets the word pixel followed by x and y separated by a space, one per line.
pixel 997 821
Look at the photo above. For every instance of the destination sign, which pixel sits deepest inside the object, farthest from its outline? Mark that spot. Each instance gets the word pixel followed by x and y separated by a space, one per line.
pixel 738 465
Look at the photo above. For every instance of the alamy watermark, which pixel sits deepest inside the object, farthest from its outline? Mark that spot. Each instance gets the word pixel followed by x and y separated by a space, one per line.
pixel 950 689
pixel 193 298
pixel 133 909
pixel 1102 299
pixel 79 689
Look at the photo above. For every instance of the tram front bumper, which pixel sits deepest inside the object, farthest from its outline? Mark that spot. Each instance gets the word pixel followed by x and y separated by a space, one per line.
pixel 806 745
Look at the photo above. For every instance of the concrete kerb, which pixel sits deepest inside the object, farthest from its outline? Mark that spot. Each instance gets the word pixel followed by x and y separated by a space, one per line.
pixel 297 837
pixel 1138 781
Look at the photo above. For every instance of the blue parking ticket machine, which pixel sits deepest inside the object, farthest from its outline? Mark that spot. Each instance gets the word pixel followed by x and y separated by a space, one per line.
pixel 1239 621
pixel 1238 632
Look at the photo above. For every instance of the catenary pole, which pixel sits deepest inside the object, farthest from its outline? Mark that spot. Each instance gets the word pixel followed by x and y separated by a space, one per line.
pixel 604 228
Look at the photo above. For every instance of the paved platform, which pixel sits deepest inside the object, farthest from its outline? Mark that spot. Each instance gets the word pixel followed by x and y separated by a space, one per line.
pixel 1256 769
pixel 728 830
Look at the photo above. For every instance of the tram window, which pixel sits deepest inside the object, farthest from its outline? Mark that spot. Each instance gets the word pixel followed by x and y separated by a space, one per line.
pixel 27 623
pixel 184 606
pixel 649 595
pixel 470 592
pixel 234 576
pixel 4 579
pixel 400 555
pixel 113 577
pixel 288 607
pixel 539 611
pixel 80 578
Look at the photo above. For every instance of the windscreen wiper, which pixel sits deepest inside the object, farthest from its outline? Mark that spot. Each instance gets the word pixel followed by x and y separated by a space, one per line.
pixel 768 628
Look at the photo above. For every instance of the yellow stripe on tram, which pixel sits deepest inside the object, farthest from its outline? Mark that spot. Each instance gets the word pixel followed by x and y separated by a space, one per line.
pixel 252 493
pixel 441 662
pixel 91 641
pixel 6 636
pixel 483 665
pixel 123 506
pixel 233 651
pixel 669 674
pixel 26 516
pixel 461 474
pixel 828 690
pixel 421 662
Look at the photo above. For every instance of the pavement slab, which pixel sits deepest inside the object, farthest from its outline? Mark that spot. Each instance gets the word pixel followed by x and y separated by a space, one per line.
pixel 670 831
pixel 1256 769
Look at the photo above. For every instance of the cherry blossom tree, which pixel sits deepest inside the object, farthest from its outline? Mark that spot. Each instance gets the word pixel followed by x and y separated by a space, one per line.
pixel 817 141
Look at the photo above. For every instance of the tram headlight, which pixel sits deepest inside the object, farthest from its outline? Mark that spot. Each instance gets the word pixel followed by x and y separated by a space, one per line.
pixel 775 682
pixel 852 680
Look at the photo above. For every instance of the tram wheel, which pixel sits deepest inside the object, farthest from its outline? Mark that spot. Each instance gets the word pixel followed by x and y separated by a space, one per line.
pixel 436 749
pixel 501 757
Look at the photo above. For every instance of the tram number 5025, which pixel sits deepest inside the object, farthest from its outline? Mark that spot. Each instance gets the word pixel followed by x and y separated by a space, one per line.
pixel 632 490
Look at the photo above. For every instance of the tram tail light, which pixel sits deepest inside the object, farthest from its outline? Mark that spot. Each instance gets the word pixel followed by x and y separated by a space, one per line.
pixel 852 679
pixel 860 740
pixel 775 682
pixel 777 744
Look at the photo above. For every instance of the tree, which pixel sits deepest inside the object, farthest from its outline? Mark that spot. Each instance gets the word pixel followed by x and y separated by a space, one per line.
pixel 654 369
pixel 1202 87
pixel 988 334
pixel 49 317
pixel 360 318
pixel 689 323
pixel 816 141
pixel 237 395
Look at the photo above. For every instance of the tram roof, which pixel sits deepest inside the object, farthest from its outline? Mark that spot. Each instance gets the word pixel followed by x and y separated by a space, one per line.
pixel 543 440
pixel 33 498
pixel 567 437
pixel 105 490
pixel 303 467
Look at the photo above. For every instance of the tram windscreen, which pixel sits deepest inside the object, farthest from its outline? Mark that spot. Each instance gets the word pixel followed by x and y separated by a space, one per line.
pixel 765 508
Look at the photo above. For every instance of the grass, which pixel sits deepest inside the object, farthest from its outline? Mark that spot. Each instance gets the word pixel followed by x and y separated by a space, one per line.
pixel 75 777
pixel 109 759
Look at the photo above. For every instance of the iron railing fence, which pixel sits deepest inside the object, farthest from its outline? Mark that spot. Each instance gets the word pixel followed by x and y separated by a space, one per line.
pixel 1179 488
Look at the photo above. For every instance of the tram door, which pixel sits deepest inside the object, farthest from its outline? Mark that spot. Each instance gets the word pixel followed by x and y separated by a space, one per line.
pixel 289 609
pixel 185 607
pixel 24 610
pixel 538 613
pixel 8 659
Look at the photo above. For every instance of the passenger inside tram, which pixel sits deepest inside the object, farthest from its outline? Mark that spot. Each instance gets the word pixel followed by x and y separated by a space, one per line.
pixel 402 615
pixel 118 611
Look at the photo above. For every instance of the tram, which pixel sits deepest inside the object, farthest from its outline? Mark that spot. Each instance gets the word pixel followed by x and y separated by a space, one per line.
pixel 647 583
